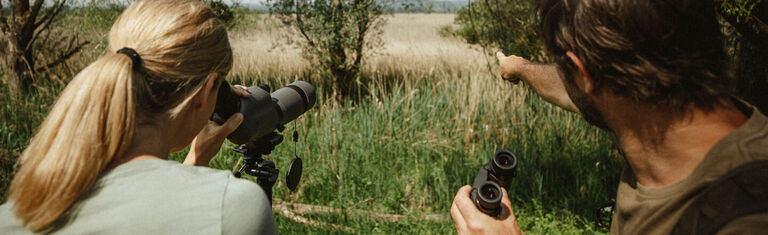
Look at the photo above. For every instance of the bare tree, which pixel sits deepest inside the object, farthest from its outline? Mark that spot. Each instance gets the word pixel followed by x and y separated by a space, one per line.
pixel 28 23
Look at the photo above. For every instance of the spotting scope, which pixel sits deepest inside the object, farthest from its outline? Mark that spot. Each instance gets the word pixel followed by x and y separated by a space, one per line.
pixel 264 116
pixel 263 113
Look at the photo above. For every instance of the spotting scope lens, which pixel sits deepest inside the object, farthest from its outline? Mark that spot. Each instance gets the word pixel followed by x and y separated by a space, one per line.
pixel 262 112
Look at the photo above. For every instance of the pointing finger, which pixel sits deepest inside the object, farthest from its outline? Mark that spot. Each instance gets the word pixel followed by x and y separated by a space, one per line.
pixel 500 55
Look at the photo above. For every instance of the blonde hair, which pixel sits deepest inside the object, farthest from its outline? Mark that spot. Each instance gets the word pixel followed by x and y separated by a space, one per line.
pixel 180 43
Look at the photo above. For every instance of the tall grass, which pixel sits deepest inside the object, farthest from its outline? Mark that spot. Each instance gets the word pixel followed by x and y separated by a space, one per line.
pixel 429 114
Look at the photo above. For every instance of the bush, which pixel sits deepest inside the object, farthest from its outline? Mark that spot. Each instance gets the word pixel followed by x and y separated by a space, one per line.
pixel 506 25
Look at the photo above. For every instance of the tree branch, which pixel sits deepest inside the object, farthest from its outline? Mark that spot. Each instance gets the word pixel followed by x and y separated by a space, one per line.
pixel 3 21
pixel 300 25
pixel 749 29
pixel 304 209
pixel 64 57
pixel 286 211
pixel 363 24
pixel 35 10
pixel 51 13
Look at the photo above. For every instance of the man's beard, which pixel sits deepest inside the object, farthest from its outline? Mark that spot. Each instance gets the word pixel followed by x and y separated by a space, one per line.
pixel 586 106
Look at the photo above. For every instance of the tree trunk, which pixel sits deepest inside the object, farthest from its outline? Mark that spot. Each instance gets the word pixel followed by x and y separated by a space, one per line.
pixel 21 31
pixel 21 62
pixel 342 84
pixel 337 53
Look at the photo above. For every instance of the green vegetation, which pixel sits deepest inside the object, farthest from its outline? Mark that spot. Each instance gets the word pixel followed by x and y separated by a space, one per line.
pixel 506 25
pixel 404 146
pixel 335 35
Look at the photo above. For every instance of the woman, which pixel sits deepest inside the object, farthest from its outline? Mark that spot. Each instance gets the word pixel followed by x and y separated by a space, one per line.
pixel 98 163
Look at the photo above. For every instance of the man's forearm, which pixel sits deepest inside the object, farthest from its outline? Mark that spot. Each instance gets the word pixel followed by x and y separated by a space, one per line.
pixel 546 82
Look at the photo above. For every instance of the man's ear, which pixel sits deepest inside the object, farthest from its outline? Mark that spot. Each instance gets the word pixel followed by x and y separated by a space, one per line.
pixel 583 78
pixel 201 99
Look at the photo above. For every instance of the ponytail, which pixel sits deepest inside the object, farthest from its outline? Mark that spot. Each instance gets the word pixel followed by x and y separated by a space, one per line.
pixel 91 123
pixel 180 43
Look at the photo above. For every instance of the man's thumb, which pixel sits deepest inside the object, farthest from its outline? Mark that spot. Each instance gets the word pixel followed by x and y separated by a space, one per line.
pixel 500 55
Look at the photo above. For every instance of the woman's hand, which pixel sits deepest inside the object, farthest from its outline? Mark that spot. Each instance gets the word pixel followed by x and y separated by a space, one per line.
pixel 208 142
pixel 469 220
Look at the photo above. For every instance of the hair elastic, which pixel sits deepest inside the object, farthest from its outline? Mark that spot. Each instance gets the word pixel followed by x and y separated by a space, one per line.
pixel 134 56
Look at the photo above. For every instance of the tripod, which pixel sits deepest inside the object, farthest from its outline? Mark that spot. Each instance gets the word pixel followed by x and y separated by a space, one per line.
pixel 253 163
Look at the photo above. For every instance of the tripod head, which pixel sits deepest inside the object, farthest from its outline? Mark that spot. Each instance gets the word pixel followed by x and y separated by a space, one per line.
pixel 264 170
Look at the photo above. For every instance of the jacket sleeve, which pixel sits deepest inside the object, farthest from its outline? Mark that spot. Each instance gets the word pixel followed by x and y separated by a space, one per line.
pixel 751 224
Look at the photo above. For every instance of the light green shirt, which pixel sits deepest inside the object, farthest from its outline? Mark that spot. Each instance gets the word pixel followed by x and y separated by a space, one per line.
pixel 154 196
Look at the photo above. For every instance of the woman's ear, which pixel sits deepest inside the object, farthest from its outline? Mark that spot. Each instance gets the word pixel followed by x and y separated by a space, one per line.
pixel 203 97
pixel 583 78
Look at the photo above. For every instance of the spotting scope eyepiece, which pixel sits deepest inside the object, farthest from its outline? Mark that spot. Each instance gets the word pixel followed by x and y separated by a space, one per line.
pixel 262 112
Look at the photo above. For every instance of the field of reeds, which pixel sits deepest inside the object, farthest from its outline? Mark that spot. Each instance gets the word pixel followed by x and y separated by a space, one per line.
pixel 430 111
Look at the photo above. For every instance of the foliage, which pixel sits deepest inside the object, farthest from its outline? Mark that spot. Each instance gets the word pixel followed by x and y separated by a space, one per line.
pixel 335 34
pixel 749 17
pixel 508 25
pixel 223 11
pixel 750 47
pixel 30 40
pixel 742 10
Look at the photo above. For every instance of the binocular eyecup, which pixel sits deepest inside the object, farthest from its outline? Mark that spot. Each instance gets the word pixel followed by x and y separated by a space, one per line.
pixel 490 179
pixel 487 198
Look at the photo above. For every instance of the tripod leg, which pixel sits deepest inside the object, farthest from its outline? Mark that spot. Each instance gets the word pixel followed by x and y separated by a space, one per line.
pixel 239 173
pixel 267 187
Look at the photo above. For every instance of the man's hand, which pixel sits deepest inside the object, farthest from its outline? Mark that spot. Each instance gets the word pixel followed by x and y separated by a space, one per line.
pixel 543 78
pixel 469 220
pixel 208 142
pixel 512 67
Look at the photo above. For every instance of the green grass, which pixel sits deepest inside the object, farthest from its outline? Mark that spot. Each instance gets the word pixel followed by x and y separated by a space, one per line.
pixel 405 146
pixel 406 152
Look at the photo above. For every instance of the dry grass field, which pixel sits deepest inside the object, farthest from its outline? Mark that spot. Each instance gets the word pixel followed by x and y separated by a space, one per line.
pixel 413 53
pixel 412 47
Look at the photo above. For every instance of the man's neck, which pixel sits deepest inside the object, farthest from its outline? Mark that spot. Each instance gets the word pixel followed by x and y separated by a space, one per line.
pixel 663 150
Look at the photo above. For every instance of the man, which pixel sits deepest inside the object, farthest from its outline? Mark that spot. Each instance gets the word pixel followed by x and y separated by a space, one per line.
pixel 654 74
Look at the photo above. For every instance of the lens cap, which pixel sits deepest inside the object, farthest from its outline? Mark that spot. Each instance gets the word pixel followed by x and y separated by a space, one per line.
pixel 293 175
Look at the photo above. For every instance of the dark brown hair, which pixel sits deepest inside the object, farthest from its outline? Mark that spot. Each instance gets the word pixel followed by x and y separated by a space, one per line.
pixel 663 52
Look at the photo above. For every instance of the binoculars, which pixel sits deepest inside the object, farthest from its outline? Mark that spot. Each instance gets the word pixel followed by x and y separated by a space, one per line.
pixel 490 179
